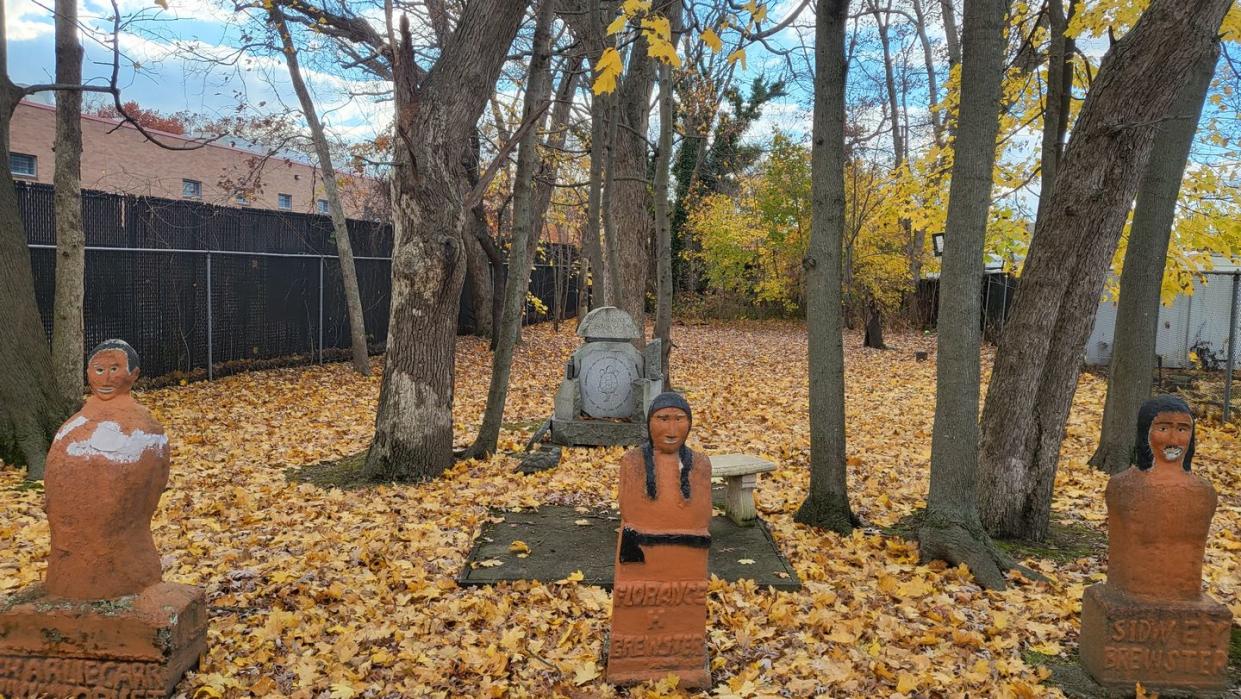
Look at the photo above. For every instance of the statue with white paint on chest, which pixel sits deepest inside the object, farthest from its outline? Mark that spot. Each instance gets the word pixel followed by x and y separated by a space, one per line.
pixel 106 470
pixel 104 624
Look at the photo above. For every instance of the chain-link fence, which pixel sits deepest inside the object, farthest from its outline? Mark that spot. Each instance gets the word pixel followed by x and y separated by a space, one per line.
pixel 202 290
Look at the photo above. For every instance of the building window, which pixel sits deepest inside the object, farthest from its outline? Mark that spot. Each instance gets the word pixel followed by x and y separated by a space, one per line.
pixel 23 165
pixel 284 202
pixel 191 189
pixel 321 205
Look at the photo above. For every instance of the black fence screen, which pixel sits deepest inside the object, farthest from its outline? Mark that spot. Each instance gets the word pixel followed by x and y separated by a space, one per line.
pixel 201 290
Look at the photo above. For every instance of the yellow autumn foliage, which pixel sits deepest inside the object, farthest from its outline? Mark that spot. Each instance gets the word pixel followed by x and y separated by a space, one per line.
pixel 317 592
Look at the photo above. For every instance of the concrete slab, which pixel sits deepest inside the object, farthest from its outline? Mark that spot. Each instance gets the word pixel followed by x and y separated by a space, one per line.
pixel 562 540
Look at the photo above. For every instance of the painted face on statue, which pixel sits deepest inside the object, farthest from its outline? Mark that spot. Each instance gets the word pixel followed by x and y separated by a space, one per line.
pixel 669 427
pixel 108 374
pixel 1169 436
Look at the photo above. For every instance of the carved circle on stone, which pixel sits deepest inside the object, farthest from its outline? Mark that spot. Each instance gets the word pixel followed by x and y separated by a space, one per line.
pixel 607 384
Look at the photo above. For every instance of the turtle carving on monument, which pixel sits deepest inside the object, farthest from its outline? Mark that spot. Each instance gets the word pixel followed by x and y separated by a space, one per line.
pixel 608 383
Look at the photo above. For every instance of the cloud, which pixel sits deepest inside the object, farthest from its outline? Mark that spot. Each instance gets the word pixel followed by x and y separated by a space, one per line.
pixel 24 21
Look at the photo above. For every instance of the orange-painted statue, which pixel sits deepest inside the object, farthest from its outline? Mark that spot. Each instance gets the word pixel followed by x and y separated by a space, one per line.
pixel 1151 622
pixel 106 471
pixel 659 606
pixel 104 624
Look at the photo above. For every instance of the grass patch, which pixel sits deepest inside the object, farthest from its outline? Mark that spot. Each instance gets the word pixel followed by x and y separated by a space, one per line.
pixel 1066 542
pixel 345 473
pixel 25 485
pixel 1234 648
pixel 1036 659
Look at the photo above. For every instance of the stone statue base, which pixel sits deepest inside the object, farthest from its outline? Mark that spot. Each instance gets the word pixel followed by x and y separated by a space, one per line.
pixel 1164 644
pixel 659 629
pixel 134 646
pixel 597 433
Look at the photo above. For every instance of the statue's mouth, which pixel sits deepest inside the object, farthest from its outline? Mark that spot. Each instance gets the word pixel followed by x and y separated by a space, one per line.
pixel 1172 453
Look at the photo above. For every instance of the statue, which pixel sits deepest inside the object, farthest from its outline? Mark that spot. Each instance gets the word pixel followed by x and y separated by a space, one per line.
pixel 104 624
pixel 608 383
pixel 659 611
pixel 1151 622
pixel 106 470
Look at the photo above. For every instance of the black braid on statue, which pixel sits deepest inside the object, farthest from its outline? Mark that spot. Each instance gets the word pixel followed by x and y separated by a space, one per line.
pixel 648 456
pixel 687 463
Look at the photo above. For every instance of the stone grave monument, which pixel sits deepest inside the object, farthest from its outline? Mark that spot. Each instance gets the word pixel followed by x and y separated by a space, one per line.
pixel 104 624
pixel 608 384
pixel 659 594
pixel 1151 622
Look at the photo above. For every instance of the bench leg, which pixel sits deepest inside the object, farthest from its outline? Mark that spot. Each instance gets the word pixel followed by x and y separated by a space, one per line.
pixel 739 499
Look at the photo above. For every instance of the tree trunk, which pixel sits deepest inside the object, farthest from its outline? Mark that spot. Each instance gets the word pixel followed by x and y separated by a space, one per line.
pixel 1056 102
pixel 592 246
pixel 827 504
pixel 558 285
pixel 951 530
pixel 1040 352
pixel 479 271
pixel 932 82
pixel 434 120
pixel 663 221
pixel 1137 313
pixel 873 338
pixel 32 407
pixel 538 87
pixel 614 288
pixel 913 247
pixel 340 227
pixel 950 33
pixel 67 331
pixel 557 130
pixel 630 211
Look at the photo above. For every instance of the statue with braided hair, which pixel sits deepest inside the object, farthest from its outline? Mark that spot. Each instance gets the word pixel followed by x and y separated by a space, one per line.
pixel 1152 622
pixel 659 611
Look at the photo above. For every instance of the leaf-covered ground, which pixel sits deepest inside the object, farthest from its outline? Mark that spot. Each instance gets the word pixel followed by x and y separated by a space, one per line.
pixel 319 593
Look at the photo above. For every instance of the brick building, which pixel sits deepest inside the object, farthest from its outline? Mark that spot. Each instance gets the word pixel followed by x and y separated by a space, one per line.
pixel 117 158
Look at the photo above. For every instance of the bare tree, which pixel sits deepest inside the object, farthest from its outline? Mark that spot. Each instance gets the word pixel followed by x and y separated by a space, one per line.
pixel 827 503
pixel 1039 357
pixel 340 227
pixel 1137 314
pixel 950 33
pixel 951 530
pixel 525 226
pixel 67 324
pixel 436 111
pixel 663 218
pixel 1056 100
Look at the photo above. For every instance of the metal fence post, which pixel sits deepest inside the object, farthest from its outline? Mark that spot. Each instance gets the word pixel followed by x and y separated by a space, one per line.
pixel 320 309
pixel 1232 349
pixel 210 338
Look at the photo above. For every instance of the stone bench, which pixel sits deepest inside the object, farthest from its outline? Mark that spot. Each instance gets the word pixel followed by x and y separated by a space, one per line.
pixel 740 474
